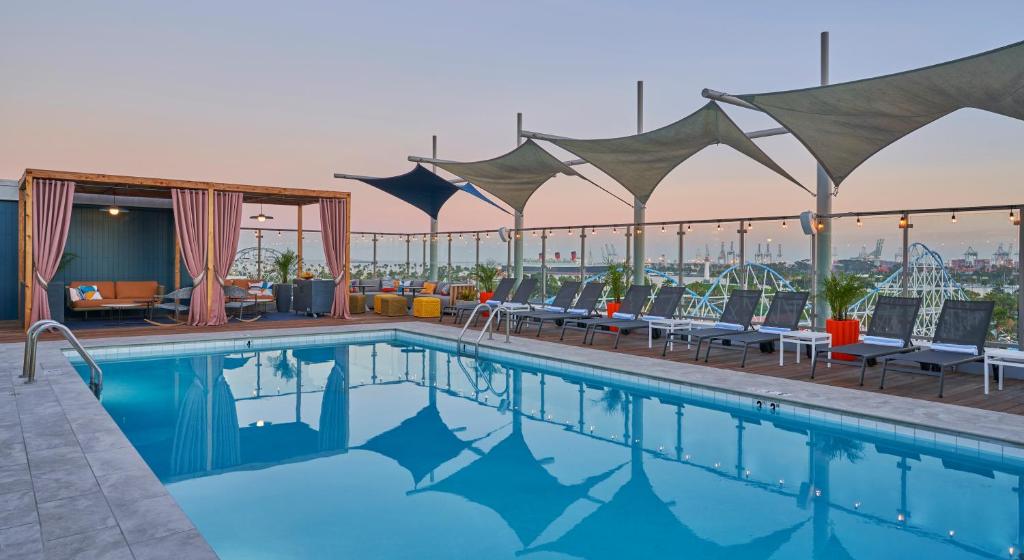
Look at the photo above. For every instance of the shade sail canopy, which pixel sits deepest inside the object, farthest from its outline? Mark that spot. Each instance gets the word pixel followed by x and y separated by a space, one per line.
pixel 845 124
pixel 512 177
pixel 512 482
pixel 636 523
pixel 639 163
pixel 423 189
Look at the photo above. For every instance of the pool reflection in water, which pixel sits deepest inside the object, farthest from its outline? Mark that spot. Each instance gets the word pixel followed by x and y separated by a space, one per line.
pixel 391 450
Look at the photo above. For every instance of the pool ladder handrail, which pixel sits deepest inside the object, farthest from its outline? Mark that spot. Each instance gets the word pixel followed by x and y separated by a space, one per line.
pixel 495 311
pixel 32 342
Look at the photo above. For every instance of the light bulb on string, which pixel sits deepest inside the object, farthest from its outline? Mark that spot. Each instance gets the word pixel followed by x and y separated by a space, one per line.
pixel 859 223
pixel 953 218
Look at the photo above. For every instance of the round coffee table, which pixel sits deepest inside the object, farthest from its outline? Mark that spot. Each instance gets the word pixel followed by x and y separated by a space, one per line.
pixel 118 309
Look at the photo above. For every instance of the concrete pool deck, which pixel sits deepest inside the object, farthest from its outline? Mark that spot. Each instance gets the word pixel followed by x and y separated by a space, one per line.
pixel 72 486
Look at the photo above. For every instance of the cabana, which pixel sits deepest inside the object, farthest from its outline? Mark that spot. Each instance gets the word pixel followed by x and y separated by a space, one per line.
pixel 206 225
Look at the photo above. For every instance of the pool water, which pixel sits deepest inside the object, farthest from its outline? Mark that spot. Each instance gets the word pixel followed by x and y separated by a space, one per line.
pixel 393 449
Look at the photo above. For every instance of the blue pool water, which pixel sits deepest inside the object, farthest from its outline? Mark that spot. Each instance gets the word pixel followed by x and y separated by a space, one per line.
pixel 397 450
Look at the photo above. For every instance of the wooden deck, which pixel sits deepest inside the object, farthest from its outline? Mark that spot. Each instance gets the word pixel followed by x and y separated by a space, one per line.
pixel 961 389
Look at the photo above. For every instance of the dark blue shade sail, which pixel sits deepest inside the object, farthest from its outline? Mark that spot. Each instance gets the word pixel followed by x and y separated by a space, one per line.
pixel 422 189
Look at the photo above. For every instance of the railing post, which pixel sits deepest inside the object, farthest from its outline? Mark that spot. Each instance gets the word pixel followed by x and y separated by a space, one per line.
pixel 508 265
pixel 374 254
pixel 905 225
pixel 682 255
pixel 426 265
pixel 743 256
pixel 408 255
pixel 1020 277
pixel 583 254
pixel 544 264
pixel 448 276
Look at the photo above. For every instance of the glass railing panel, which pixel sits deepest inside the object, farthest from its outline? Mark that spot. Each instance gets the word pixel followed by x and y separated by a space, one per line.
pixel 313 259
pixel 870 247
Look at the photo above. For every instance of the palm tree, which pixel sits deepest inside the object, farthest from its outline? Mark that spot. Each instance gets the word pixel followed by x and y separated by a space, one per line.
pixel 283 367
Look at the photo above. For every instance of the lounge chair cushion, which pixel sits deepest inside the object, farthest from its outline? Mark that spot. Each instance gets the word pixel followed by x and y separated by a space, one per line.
pixel 553 308
pixel 883 341
pixel 729 326
pixel 578 311
pixel 625 316
pixel 773 330
pixel 958 348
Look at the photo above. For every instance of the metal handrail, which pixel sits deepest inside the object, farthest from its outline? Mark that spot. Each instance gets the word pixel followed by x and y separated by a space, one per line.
pixel 32 342
pixel 479 306
pixel 496 311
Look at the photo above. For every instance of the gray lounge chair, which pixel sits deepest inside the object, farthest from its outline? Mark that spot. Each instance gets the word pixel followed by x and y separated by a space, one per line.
pixel 521 297
pixel 889 333
pixel 501 293
pixel 959 339
pixel 584 308
pixel 783 316
pixel 664 306
pixel 632 304
pixel 172 303
pixel 237 299
pixel 736 317
pixel 559 304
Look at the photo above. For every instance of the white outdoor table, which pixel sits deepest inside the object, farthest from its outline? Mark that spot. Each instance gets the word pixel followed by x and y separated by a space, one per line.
pixel 1001 357
pixel 804 338
pixel 671 326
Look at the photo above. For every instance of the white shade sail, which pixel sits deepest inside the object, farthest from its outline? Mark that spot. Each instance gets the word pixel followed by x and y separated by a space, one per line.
pixel 512 177
pixel 639 163
pixel 845 124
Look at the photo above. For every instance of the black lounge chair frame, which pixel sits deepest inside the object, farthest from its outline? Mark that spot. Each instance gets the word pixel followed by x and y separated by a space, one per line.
pixel 665 304
pixel 501 293
pixel 960 322
pixel 739 310
pixel 784 313
pixel 633 303
pixel 563 299
pixel 894 317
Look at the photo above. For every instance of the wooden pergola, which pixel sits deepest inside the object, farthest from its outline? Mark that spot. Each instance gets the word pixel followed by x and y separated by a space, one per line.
pixel 148 187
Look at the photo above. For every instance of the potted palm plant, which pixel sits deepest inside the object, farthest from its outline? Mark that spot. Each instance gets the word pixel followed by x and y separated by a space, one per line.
pixel 284 264
pixel 486 278
pixel 615 278
pixel 841 291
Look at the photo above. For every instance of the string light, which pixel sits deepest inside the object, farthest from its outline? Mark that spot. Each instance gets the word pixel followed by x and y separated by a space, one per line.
pixel 903 221
pixel 719 226
pixel 534 233
pixel 689 227
pixel 750 226
pixel 1015 220
pixel 593 231
pixel 615 230
pixel 953 218
pixel 784 226
pixel 859 223
pixel 639 231
pixel 662 228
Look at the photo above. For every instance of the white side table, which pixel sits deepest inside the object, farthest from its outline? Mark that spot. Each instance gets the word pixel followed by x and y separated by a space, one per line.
pixel 804 338
pixel 669 326
pixel 1001 357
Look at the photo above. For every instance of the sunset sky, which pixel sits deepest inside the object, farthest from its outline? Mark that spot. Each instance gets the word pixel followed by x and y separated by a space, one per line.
pixel 289 93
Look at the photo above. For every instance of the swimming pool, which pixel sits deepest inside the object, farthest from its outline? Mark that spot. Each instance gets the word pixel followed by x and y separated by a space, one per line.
pixel 388 445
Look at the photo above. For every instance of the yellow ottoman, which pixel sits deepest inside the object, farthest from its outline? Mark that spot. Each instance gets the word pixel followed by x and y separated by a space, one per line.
pixel 426 307
pixel 377 302
pixel 393 306
pixel 357 303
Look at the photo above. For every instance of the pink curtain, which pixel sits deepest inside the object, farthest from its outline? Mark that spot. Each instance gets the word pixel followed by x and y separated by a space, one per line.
pixel 227 224
pixel 190 227
pixel 51 218
pixel 333 215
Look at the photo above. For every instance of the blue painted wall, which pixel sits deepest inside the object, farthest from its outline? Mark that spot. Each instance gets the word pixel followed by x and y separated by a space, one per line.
pixel 8 260
pixel 136 245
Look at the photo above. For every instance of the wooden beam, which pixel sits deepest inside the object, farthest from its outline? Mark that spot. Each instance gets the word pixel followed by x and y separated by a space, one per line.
pixel 348 241
pixel 298 237
pixel 27 242
pixel 21 252
pixel 158 183
pixel 210 272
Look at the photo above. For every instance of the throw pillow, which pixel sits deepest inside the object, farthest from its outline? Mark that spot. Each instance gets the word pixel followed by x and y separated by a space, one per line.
pixel 74 294
pixel 428 288
pixel 90 292
pixel 387 289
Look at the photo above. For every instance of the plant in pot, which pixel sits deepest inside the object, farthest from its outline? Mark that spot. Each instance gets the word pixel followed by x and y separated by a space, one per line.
pixel 841 291
pixel 486 278
pixel 616 278
pixel 284 265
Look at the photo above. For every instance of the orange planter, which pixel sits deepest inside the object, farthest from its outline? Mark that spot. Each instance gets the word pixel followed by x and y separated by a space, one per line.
pixel 484 296
pixel 613 308
pixel 843 332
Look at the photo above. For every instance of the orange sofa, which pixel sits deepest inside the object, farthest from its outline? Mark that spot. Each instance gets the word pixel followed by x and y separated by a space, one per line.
pixel 116 292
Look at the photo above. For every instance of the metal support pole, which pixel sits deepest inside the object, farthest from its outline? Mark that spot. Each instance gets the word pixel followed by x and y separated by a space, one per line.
pixel 259 254
pixel 629 246
pixel 448 275
pixel 679 268
pixel 583 254
pixel 544 264
pixel 639 209
pixel 408 255
pixel 426 264
pixel 508 262
pixel 477 261
pixel 375 254
pixel 823 236
pixel 432 275
pixel 813 283
pixel 1020 280
pixel 518 239
pixel 743 253
pixel 905 274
